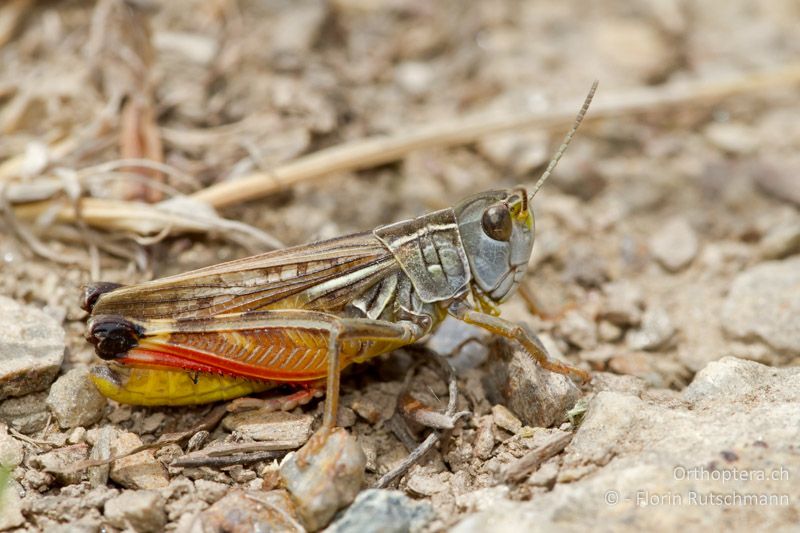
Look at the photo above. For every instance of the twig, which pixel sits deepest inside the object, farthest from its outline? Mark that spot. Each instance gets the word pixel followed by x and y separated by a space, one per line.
pixel 434 436
pixel 118 164
pixel 73 189
pixel 530 462
pixel 233 454
pixel 105 242
pixel 399 427
pixel 27 236
pixel 148 220
pixel 30 440
pixel 197 459
pixel 386 149
pixel 209 422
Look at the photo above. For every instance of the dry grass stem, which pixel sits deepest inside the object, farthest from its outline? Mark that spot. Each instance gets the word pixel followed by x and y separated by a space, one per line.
pixel 376 151
pixel 194 214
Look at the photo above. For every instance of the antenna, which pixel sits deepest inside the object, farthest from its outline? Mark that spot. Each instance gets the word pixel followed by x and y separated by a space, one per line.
pixel 567 139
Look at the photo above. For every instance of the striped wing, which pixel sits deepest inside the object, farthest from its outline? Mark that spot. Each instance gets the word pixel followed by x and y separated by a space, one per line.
pixel 323 276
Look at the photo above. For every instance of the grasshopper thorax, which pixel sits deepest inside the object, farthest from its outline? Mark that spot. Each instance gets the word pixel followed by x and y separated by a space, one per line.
pixel 497 233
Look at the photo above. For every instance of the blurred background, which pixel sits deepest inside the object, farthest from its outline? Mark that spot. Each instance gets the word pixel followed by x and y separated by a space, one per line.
pixel 684 179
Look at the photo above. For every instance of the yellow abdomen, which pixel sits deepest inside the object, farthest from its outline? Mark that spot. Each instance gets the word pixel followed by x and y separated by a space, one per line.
pixel 163 386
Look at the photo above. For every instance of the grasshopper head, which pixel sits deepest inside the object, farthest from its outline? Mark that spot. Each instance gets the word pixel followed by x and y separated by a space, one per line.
pixel 497 232
pixel 497 228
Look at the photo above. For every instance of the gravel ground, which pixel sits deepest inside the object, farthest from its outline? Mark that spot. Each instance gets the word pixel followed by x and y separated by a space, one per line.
pixel 666 259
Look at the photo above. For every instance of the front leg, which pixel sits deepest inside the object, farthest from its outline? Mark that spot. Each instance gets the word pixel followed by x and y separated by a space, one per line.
pixel 510 330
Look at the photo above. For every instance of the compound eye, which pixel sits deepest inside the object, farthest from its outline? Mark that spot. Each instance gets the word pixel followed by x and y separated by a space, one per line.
pixel 496 222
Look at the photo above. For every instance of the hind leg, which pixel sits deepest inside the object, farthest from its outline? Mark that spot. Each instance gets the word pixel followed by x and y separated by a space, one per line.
pixel 285 402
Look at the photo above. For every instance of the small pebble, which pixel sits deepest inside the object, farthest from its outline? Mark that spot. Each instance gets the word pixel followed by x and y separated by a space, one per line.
pixel 38 480
pixel 781 241
pixel 538 397
pixel 370 410
pixel 579 330
pixel 345 417
pixel 195 47
pixel 545 475
pixel 197 440
pixel 295 31
pixel 608 332
pixel 151 423
pixel 764 302
pixel 367 411
pixel 505 419
pixel 655 331
pixel 274 426
pixel 732 137
pixel 481 499
pixel 210 491
pixel 27 414
pixel 240 474
pixel 518 152
pixel 453 334
pixel 484 438
pixel 251 511
pixel 11 505
pixel 142 510
pixel 101 441
pixel 599 356
pixel 75 401
pixel 324 475
pixel 623 303
pixel 635 50
pixel 383 511
pixel 779 180
pixel 571 215
pixel 11 451
pixel 77 435
pixel 633 364
pixel 60 461
pixel 585 267
pixel 138 471
pixel 414 77
pixel 120 413
pixel 168 453
pixel 578 175
pixel 674 245
pixel 31 349
pixel 424 483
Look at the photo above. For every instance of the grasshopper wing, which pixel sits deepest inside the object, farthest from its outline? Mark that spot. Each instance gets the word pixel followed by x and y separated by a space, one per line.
pixel 323 276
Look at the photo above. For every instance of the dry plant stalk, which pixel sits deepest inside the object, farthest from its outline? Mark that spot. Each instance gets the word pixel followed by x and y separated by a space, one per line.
pixel 530 462
pixel 208 423
pixel 144 219
pixel 359 155
pixel 400 428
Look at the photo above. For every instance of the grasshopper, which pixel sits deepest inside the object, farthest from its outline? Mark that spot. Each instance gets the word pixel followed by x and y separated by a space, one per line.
pixel 302 314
